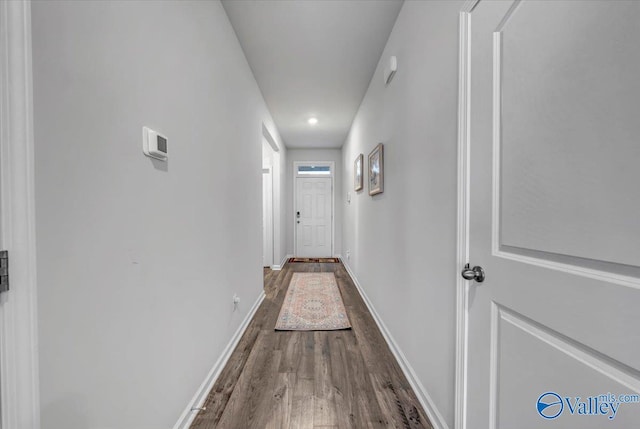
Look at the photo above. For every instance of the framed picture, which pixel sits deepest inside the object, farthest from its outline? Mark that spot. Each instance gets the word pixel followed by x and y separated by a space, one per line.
pixel 358 181
pixel 376 171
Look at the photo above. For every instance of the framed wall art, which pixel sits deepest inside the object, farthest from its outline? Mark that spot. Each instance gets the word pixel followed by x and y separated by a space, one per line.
pixel 358 182
pixel 376 170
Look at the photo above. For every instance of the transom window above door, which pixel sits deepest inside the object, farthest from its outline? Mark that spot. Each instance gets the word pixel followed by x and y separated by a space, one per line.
pixel 314 170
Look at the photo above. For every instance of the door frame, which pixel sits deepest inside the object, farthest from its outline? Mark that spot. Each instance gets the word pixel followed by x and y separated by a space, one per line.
pixel 268 171
pixel 332 165
pixel 462 257
pixel 276 175
pixel 19 379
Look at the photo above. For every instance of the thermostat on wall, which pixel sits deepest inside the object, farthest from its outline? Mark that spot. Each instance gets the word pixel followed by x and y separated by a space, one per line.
pixel 154 144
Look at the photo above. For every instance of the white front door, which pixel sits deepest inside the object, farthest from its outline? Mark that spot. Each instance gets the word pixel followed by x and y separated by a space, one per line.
pixel 554 329
pixel 313 217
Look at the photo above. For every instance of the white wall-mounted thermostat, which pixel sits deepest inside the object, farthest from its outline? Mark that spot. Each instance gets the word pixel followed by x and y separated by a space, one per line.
pixel 154 144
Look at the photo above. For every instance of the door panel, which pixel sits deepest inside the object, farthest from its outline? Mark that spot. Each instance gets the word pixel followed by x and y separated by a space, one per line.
pixel 307 198
pixel 560 119
pixel 551 363
pixel 307 234
pixel 314 225
pixel 552 220
pixel 321 209
pixel 321 235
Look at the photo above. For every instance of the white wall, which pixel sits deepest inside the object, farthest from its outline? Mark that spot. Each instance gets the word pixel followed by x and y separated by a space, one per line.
pixel 403 242
pixel 138 260
pixel 335 155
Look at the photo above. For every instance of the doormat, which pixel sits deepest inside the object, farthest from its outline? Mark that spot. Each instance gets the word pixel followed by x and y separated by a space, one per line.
pixel 312 303
pixel 315 260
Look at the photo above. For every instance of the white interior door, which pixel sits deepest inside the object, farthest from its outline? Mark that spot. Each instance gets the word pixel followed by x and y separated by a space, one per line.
pixel 267 217
pixel 554 215
pixel 314 216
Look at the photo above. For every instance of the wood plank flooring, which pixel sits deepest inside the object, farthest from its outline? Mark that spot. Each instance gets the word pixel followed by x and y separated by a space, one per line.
pixel 323 379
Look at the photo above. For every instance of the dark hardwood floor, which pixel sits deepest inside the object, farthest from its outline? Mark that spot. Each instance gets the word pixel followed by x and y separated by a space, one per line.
pixel 323 379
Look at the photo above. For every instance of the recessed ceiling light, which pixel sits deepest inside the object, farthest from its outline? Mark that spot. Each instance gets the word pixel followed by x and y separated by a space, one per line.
pixel 313 121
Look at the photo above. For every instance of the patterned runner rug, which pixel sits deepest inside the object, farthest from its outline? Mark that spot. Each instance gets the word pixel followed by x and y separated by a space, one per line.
pixel 312 303
pixel 316 260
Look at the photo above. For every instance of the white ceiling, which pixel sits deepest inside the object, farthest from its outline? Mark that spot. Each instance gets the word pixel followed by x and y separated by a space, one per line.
pixel 313 58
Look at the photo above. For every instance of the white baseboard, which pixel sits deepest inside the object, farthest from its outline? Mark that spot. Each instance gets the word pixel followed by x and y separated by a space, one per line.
pixel 199 398
pixel 284 261
pixel 437 420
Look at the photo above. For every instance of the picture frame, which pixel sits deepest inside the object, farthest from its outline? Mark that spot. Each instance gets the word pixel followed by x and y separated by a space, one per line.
pixel 376 170
pixel 358 173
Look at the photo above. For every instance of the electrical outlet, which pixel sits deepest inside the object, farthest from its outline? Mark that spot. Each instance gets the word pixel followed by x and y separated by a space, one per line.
pixel 348 254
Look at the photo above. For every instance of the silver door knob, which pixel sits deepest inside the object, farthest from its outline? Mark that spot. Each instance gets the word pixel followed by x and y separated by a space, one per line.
pixel 476 273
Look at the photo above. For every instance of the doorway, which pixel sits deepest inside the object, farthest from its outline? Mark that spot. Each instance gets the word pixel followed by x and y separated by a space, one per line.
pixel 267 217
pixel 313 209
pixel 267 205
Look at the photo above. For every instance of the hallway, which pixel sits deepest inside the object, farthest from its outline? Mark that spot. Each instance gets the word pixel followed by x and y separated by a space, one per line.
pixel 472 165
pixel 322 379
